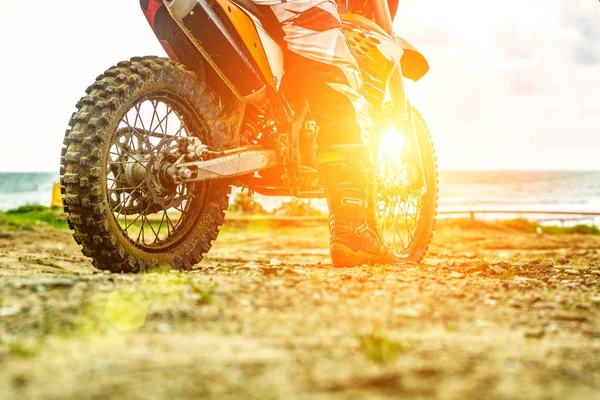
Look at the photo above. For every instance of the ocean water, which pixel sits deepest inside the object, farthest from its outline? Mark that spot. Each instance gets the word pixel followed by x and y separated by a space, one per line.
pixel 554 191
pixel 21 188
pixel 459 190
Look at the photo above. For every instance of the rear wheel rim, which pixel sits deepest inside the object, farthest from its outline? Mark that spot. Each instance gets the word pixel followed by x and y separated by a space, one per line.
pixel 147 124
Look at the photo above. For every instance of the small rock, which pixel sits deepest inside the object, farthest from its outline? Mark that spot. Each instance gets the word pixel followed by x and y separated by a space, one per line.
pixel 594 299
pixel 269 271
pixel 191 296
pixel 497 269
pixel 535 334
pixel 545 306
pixel 106 272
pixel 484 323
pixel 571 271
pixel 573 285
pixel 245 302
pixel 8 311
pixel 514 303
pixel 275 261
pixel 490 302
pixel 570 317
pixel 407 312
pixel 295 271
pixel 252 265
pixel 522 278
pixel 50 283
pixel 456 275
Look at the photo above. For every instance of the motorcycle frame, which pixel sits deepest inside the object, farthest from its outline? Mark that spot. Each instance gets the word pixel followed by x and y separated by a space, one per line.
pixel 260 59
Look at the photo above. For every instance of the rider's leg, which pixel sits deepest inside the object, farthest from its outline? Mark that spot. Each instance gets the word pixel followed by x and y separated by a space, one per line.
pixel 322 64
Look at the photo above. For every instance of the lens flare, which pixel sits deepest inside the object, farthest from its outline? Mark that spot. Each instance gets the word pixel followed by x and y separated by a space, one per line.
pixel 391 145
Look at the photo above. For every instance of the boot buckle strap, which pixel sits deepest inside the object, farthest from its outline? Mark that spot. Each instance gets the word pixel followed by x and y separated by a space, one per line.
pixel 352 202
pixel 361 230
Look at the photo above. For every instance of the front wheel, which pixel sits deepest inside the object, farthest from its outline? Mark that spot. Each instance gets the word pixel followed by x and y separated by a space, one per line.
pixel 405 215
pixel 125 214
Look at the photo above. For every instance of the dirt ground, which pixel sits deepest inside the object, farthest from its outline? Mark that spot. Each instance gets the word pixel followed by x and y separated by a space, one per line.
pixel 492 313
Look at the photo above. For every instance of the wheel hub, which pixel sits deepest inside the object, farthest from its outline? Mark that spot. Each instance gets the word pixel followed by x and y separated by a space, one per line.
pixel 135 170
pixel 165 192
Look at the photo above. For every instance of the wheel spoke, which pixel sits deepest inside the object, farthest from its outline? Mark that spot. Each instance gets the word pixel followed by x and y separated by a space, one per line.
pixel 144 133
pixel 398 212
pixel 161 222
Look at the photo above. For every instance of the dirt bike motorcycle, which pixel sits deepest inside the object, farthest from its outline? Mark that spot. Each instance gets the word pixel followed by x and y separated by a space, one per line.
pixel 157 143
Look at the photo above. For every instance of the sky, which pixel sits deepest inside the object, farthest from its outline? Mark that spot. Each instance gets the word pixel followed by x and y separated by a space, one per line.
pixel 514 84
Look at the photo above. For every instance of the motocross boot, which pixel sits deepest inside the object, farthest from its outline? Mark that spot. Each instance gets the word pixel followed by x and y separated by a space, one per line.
pixel 346 171
pixel 372 209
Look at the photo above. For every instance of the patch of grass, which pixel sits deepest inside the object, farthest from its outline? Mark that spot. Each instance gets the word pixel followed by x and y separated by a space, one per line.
pixel 32 215
pixel 508 274
pixel 531 227
pixel 22 349
pixel 379 348
pixel 297 207
pixel 26 209
pixel 450 327
pixel 571 230
pixel 162 269
pixel 206 295
pixel 523 225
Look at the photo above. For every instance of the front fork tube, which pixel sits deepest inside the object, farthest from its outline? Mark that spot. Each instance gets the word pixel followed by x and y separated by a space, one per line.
pixel 402 118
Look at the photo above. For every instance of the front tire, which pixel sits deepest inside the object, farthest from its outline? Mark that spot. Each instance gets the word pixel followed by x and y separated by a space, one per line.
pixel 406 220
pixel 96 180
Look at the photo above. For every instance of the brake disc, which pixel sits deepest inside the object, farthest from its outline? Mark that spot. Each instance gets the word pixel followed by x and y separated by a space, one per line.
pixel 163 190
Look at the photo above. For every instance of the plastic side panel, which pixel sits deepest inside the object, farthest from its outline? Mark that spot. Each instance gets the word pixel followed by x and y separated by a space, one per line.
pixel 248 31
pixel 176 44
pixel 273 52
pixel 217 39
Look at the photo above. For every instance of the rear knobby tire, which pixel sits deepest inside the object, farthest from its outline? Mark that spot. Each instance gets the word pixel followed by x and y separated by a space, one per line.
pixel 84 165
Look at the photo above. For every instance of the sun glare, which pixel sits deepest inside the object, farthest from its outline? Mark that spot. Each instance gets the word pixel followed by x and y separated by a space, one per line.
pixel 391 144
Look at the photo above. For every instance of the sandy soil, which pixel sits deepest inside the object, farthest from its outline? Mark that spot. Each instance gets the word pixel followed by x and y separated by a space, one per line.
pixel 492 313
